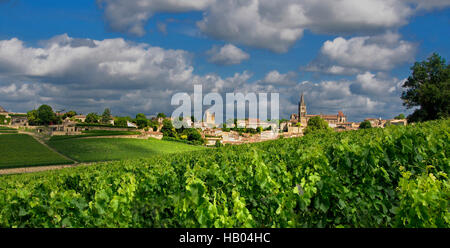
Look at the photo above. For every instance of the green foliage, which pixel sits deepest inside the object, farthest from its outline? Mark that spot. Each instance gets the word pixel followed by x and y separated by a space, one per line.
pixel 69 114
pixel 316 124
pixel 122 121
pixel 92 118
pixel 218 144
pixel 400 117
pixel 46 116
pixel 168 130
pixel 106 116
pixel 161 115
pixel 19 150
pixel 428 88
pixel 4 120
pixel 365 125
pixel 424 200
pixel 366 178
pixel 141 121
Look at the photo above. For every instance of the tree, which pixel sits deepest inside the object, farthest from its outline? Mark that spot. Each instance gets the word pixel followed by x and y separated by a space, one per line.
pixel 193 134
pixel 122 121
pixel 161 115
pixel 365 125
pixel 33 117
pixel 46 115
pixel 316 124
pixel 69 114
pixel 168 130
pixel 429 89
pixel 106 116
pixel 400 117
pixel 141 121
pixel 92 118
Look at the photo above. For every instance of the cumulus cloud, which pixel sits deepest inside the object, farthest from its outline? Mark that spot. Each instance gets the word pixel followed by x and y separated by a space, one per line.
pixel 130 16
pixel 227 55
pixel 350 56
pixel 263 24
pixel 279 79
pixel 268 24
pixel 89 75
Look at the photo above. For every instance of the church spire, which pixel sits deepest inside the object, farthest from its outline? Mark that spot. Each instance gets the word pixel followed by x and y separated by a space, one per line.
pixel 302 100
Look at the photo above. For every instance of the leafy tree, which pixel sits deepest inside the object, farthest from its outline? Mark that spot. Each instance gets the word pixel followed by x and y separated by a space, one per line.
pixel 122 121
pixel 161 115
pixel 45 115
pixel 316 124
pixel 69 114
pixel 365 125
pixel 168 130
pixel 400 117
pixel 141 120
pixel 429 89
pixel 92 118
pixel 106 116
pixel 193 134
pixel 33 118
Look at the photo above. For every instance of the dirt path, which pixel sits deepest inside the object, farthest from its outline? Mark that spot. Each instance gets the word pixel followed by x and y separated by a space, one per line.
pixel 40 168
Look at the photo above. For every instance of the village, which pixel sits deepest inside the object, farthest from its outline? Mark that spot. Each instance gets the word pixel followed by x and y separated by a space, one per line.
pixel 241 131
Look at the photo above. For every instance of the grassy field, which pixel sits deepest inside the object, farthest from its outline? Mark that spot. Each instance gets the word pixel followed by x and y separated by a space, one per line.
pixel 19 150
pixel 7 130
pixel 106 149
pixel 93 133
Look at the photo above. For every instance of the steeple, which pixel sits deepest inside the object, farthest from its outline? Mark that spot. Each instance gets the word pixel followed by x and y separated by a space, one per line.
pixel 302 110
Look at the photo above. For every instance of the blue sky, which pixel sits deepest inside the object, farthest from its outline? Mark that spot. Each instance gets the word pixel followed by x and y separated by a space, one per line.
pixel 352 60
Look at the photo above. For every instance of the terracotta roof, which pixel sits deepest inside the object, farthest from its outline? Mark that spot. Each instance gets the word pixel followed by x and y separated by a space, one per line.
pixel 340 114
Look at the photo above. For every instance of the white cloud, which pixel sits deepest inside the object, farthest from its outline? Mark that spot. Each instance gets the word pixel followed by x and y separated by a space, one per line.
pixel 131 15
pixel 276 78
pixel 268 24
pixel 351 56
pixel 227 55
pixel 369 84
pixel 264 24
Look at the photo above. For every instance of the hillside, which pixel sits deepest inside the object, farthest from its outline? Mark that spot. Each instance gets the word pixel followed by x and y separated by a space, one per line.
pixel 392 177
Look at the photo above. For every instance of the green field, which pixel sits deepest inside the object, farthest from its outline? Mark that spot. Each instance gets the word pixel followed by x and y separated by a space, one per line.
pixel 106 149
pixel 94 133
pixel 7 130
pixel 20 150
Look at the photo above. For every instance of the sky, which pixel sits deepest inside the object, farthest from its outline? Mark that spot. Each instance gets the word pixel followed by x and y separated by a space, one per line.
pixel 132 56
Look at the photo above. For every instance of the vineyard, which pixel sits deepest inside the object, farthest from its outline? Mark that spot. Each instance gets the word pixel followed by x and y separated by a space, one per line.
pixel 392 177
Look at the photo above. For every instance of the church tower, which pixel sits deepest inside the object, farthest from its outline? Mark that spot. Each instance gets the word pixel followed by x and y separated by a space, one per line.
pixel 302 111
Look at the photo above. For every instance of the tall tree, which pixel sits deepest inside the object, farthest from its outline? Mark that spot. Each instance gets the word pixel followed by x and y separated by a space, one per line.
pixel 429 89
pixel 141 120
pixel 92 118
pixel 106 116
pixel 168 130
pixel 365 125
pixel 316 124
pixel 46 115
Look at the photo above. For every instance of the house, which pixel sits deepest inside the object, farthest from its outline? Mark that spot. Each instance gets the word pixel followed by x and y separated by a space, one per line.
pixel 130 124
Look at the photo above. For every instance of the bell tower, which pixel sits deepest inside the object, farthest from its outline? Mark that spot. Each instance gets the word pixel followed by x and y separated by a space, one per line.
pixel 302 111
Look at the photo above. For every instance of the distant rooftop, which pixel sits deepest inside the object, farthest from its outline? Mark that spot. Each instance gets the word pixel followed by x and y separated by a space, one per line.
pixel 2 110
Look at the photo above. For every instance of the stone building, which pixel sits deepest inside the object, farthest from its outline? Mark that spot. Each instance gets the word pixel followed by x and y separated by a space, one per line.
pixel 302 116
